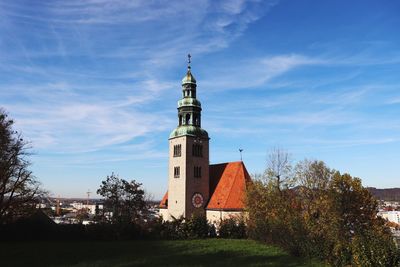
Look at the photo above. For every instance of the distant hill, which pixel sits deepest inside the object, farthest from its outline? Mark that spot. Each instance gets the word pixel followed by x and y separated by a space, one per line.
pixel 388 194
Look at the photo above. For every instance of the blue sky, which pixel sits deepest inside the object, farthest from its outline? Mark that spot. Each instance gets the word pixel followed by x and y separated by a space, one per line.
pixel 94 84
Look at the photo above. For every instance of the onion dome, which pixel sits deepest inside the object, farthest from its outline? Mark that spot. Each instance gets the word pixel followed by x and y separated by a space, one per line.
pixel 188 78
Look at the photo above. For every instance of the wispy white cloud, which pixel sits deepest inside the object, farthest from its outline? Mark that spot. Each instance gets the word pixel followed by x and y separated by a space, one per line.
pixel 122 11
pixel 58 119
pixel 67 126
pixel 255 72
pixel 177 27
pixel 394 100
pixel 251 73
pixel 351 142
pixel 298 119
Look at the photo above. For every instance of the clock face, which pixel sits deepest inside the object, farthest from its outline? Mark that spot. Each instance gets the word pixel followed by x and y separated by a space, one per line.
pixel 197 200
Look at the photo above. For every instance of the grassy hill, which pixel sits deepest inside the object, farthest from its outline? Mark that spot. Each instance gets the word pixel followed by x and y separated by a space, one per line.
pixel 210 252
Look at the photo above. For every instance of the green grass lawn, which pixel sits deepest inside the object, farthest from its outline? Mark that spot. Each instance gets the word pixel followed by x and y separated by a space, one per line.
pixel 209 252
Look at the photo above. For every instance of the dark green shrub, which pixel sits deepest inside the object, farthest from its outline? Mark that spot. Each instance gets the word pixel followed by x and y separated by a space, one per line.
pixel 232 228
pixel 194 227
pixel 197 227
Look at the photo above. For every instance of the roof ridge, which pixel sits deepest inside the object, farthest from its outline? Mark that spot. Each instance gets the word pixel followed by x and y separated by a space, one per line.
pixel 246 179
pixel 228 162
pixel 219 163
pixel 244 174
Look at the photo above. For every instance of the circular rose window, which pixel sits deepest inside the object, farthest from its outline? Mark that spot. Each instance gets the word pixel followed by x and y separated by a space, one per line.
pixel 197 200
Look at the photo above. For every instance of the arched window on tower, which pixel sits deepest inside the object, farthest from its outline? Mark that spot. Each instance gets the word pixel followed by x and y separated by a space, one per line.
pixel 187 119
pixel 180 120
pixel 195 120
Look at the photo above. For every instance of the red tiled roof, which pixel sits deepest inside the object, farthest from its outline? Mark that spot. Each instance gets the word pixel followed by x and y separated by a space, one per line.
pixel 164 201
pixel 228 186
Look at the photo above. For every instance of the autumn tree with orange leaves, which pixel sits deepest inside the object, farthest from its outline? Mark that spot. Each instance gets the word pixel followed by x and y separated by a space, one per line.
pixel 314 211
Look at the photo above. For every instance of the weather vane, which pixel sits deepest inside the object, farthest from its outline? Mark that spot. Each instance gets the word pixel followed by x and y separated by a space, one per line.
pixel 240 151
pixel 189 61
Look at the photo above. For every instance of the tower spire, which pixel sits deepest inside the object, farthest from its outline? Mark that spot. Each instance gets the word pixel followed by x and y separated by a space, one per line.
pixel 189 108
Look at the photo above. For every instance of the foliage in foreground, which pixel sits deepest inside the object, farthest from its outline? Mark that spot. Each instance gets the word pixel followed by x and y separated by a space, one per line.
pixel 181 228
pixel 196 227
pixel 232 228
pixel 313 211
pixel 205 252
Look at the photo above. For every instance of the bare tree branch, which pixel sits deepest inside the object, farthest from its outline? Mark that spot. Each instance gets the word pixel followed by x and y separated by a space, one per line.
pixel 279 169
pixel 18 187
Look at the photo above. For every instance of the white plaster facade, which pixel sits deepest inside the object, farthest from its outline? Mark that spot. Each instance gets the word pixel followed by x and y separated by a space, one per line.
pixel 215 216
pixel 165 214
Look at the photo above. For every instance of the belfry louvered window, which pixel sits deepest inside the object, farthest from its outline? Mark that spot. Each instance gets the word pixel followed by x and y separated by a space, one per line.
pixel 197 150
pixel 177 150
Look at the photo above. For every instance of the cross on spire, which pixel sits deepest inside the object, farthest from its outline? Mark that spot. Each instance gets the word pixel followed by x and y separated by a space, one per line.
pixel 189 61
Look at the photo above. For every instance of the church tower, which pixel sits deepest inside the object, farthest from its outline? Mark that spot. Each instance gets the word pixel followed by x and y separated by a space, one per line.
pixel 188 174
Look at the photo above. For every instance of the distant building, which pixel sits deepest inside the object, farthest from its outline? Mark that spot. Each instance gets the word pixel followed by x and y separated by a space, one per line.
pixel 391 216
pixel 195 187
pixel 91 208
pixel 41 206
pixel 391 203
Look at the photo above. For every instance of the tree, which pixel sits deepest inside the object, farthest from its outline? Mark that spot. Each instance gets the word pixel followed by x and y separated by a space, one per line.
pixel 279 169
pixel 313 179
pixel 82 214
pixel 19 189
pixel 125 199
pixel 328 215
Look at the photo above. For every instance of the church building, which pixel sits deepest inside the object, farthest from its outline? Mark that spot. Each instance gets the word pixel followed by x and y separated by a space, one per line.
pixel 194 186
